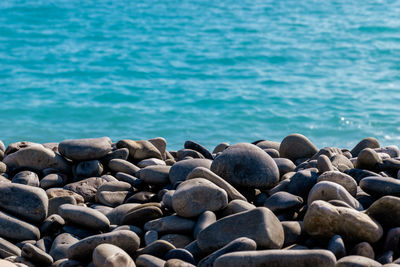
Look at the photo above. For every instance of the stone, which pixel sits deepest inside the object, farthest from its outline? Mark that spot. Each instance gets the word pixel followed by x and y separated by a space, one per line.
pixel 208 196
pixel 149 261
pixel 326 190
pixel 201 172
pixel 272 152
pixel 283 201
pixel 380 186
pixel 259 224
pixel 296 146
pixel 140 216
pixel 52 225
pixel 336 245
pixel 26 178
pixel 205 219
pixel 24 201
pixel 392 151
pixel 16 229
pixel 124 239
pixel 36 255
pixel 220 147
pixel 85 149
pixel 301 183
pixel 56 202
pixel 341 178
pixel 59 192
pixel 89 168
pixel 178 240
pixel 157 249
pixel 118 213
pixel 161 144
pixel 142 197
pixel 386 257
pixel 107 255
pixel 121 153
pixel 124 166
pixel 61 244
pixel 132 228
pixel 84 216
pixel 293 231
pixel 87 188
pixel 246 165
pixel 275 258
pixel 36 157
pixel 392 241
pixel 6 263
pixel 284 166
pixel 8 249
pixel 324 219
pixel 324 164
pixel 236 206
pixel 156 174
pixel 355 261
pixel 386 210
pixel 341 162
pixel 180 170
pixel 52 180
pixel 181 254
pixel 150 237
pixel 368 142
pixel 363 249
pixel 359 174
pixel 368 159
pixel 199 148
pixel 186 153
pixel 113 194
pixel 177 263
pixel 171 224
pixel 139 150
pixel 130 179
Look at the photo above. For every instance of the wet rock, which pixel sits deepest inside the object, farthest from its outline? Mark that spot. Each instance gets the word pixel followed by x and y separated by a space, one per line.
pixel 107 255
pixel 180 170
pixel 84 216
pixel 296 146
pixel 85 149
pixel 208 196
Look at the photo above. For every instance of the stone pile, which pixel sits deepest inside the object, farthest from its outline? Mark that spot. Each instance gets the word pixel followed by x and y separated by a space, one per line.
pixel 92 202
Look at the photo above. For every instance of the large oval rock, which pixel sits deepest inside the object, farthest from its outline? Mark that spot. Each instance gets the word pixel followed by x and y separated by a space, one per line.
pixel 84 216
pixel 36 157
pixel 380 186
pixel 124 239
pixel 296 146
pixel 85 149
pixel 107 255
pixel 16 229
pixel 259 224
pixel 246 165
pixel 196 196
pixel 278 258
pixel 24 201
pixel 180 170
pixel 324 219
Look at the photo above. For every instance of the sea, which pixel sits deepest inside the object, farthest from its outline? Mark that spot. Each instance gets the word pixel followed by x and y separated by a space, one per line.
pixel 202 70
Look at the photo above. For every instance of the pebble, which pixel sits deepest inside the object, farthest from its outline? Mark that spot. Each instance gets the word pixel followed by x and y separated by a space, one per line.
pixel 157 248
pixel 139 150
pixel 180 170
pixel 85 149
pixel 380 186
pixel 156 174
pixel 203 221
pixel 89 168
pixel 336 245
pixel 341 178
pixel 61 244
pixel 107 255
pixel 354 261
pixel 87 188
pixel 52 180
pixel 16 229
pixel 36 255
pixel 296 146
pixel 368 142
pixel 149 261
pixel 386 210
pixel 293 232
pixel 84 216
pixel 8 249
pixel 26 178
pixel 124 166
pixel 140 216
pixel 171 224
pixel 282 201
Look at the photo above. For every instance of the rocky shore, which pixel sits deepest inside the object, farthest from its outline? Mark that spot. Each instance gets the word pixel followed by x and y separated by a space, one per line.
pixel 92 202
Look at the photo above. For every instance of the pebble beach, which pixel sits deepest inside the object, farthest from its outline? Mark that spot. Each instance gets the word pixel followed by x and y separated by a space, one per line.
pixel 95 202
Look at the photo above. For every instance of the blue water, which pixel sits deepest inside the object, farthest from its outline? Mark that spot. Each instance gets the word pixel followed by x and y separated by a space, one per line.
pixel 210 71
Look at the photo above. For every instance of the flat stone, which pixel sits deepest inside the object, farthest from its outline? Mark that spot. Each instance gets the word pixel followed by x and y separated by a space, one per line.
pixel 24 201
pixel 36 255
pixel 26 178
pixel 259 224
pixel 52 180
pixel 386 211
pixel 380 186
pixel 36 157
pixel 124 239
pixel 157 174
pixel 296 146
pixel 171 224
pixel 87 188
pixel 85 149
pixel 282 201
pixel 274 257
pixel 59 192
pixel 355 261
pixel 157 249
pixel 208 196
pixel 341 178
pixel 120 165
pixel 117 214
pixel 368 142
pixel 16 229
pixel 139 150
pixel 140 216
pixel 8 249
pixel 107 255
pixel 324 219
pixel 180 170
pixel 84 216
pixel 246 165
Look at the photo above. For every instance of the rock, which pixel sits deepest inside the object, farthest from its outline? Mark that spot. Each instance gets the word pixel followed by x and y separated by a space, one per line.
pixel 171 224
pixel 89 168
pixel 6 263
pixel 296 146
pixel 121 153
pixel 355 261
pixel 149 261
pixel 36 255
pixel 142 197
pixel 392 241
pixel 181 169
pixel 59 192
pixel 293 231
pixel 181 254
pixel 8 249
pixel 150 237
pixel 26 178
pixel 326 190
pixel 16 229
pixel 236 206
pixel 107 255
pixel 368 159
pixel 208 196
pixel 272 152
pixel 24 201
pixel 133 181
pixel 3 166
pixel 61 244
pixel 161 144
pixel 124 239
pixel 186 153
pixel 392 151
pixel 324 219
pixel 56 202
pixel 177 263
pixel 36 157
pixel 113 193
pixel 259 224
pixel 85 149
pixel 178 240
pixel 363 249
pixel 386 211
pixel 157 174
pixel 220 147
pixel 140 216
pixel 87 188
pixel 336 245
pixel 381 186
pixel 246 165
pixel 132 228
pixel 52 225
pixel 301 183
pixel 201 172
pixel 199 148
pixel 283 201
pixel 274 257
pixel 239 244
pixel 368 142
pixel 324 164
pixel 157 249
pixel 284 166
pixel 52 180
pixel 139 150
pixel 84 216
pixel 341 162
pixel 205 219
pixel 120 165
pixel 268 145
pixel 340 178
pixel 386 257
pixel 117 214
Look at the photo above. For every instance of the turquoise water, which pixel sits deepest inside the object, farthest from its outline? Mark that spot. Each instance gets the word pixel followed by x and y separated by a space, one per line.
pixel 210 71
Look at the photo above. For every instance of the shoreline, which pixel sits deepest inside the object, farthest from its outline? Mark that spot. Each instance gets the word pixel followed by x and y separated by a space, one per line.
pixel 135 203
